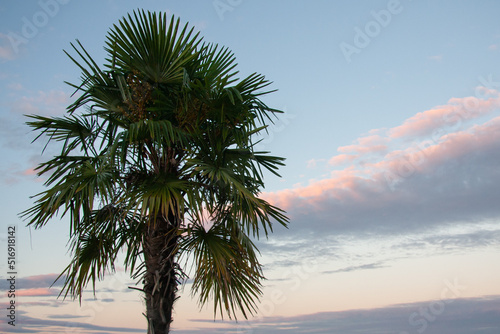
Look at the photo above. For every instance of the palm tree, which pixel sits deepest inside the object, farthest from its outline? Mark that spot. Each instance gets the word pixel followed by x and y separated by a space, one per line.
pixel 158 159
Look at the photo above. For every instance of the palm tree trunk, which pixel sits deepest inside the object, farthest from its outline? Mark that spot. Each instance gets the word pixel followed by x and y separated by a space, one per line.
pixel 160 279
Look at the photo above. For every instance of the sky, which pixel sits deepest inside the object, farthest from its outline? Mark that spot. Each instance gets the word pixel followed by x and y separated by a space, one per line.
pixel 391 133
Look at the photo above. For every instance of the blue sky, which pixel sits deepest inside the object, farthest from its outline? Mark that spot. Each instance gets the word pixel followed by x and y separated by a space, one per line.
pixel 392 140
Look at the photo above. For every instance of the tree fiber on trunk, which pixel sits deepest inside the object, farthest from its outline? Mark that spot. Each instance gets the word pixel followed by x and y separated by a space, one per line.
pixel 160 279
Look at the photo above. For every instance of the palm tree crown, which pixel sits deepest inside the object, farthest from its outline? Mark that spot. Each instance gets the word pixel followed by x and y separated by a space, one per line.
pixel 158 159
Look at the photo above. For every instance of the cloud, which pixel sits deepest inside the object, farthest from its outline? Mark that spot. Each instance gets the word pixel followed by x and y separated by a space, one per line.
pixel 38 292
pixel 16 137
pixel 34 282
pixel 429 155
pixel 46 280
pixel 419 183
pixel 65 324
pixel 457 110
pixel 34 286
pixel 13 131
pixel 52 103
pixel 321 252
pixel 341 159
pixel 363 145
pixel 65 316
pixel 6 51
pixel 375 265
pixel 453 241
pixel 451 316
pixel 363 149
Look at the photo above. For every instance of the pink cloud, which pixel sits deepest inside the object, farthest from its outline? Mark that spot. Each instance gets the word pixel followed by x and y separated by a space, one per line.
pixel 342 159
pixel 398 178
pixel 457 110
pixel 461 143
pixel 17 172
pixel 38 278
pixel 37 292
pixel 427 155
pixel 361 183
pixel 340 184
pixel 29 172
pixel 368 144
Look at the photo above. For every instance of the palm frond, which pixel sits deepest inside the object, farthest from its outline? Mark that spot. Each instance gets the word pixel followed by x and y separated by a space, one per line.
pixel 147 43
pixel 225 270
pixel 75 131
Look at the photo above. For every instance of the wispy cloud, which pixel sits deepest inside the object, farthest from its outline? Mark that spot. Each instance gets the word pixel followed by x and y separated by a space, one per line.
pixel 34 282
pixel 53 102
pixel 368 144
pixel 14 134
pixel 342 159
pixel 367 266
pixel 16 137
pixel 458 241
